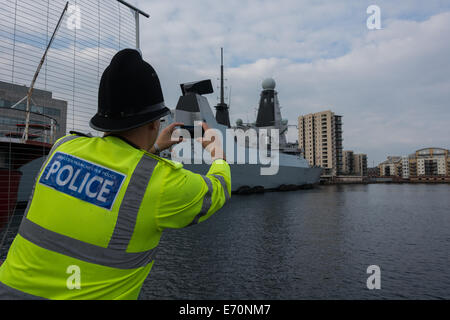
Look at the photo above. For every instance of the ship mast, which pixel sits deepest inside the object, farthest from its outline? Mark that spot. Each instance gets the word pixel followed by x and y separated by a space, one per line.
pixel 222 99
pixel 222 115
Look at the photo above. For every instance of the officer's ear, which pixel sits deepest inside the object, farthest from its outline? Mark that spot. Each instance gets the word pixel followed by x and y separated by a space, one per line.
pixel 154 126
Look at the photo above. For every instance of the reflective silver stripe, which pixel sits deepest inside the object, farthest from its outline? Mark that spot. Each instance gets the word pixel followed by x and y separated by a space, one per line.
pixel 206 201
pixel 224 185
pixel 115 254
pixel 131 203
pixel 61 141
pixel 55 146
pixel 8 293
pixel 84 251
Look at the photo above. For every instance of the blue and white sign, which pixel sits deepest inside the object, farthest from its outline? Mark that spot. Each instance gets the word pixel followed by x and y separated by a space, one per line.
pixel 83 180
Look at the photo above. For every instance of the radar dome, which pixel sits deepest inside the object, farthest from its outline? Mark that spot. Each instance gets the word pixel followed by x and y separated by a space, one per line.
pixel 269 84
pixel 239 122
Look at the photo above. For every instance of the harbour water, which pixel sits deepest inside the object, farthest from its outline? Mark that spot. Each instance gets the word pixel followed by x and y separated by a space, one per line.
pixel 312 244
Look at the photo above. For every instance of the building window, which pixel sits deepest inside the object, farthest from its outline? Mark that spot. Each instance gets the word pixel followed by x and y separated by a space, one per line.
pixel 21 106
pixel 52 112
pixel 37 109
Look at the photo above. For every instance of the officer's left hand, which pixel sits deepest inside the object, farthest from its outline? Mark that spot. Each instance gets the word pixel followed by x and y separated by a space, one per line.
pixel 164 140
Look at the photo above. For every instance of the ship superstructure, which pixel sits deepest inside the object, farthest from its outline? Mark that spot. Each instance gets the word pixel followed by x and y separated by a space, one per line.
pixel 292 169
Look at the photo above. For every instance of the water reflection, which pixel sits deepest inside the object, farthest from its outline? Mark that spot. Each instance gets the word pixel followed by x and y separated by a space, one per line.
pixel 314 244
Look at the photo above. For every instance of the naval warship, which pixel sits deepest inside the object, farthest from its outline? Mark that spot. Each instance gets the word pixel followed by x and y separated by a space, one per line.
pixel 293 170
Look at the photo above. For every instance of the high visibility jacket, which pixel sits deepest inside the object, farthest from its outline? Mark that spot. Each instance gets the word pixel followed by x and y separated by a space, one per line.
pixel 96 216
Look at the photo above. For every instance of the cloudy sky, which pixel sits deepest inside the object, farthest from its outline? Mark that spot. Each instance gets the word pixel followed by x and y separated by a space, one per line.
pixel 392 86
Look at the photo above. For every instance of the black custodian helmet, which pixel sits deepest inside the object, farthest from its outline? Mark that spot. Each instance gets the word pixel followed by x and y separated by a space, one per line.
pixel 129 94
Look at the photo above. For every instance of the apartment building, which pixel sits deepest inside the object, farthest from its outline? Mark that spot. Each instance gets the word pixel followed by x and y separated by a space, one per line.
pixel 347 162
pixel 392 167
pixel 360 164
pixel 320 139
pixel 354 163
pixel 428 164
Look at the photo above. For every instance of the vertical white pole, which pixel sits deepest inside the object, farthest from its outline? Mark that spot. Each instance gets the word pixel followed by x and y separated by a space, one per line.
pixel 136 16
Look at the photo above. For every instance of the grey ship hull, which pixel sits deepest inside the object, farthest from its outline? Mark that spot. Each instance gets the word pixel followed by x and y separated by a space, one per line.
pixel 248 175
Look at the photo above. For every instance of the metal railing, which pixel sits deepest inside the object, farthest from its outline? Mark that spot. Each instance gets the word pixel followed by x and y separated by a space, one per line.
pixel 91 32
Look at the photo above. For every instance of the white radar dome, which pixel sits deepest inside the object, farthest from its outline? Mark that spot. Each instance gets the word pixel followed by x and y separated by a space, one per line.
pixel 269 84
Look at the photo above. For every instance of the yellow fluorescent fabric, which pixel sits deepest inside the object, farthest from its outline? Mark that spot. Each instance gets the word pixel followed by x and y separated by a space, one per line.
pixel 109 247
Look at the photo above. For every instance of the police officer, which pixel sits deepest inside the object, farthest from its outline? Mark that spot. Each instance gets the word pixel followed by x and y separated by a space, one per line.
pixel 100 204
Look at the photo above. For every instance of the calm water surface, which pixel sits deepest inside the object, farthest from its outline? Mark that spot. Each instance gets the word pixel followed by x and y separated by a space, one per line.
pixel 312 244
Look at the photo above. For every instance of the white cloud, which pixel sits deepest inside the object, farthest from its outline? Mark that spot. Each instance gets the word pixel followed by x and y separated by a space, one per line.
pixel 392 86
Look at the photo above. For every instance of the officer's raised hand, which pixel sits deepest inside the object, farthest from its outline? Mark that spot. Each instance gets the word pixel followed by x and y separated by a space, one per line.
pixel 164 140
